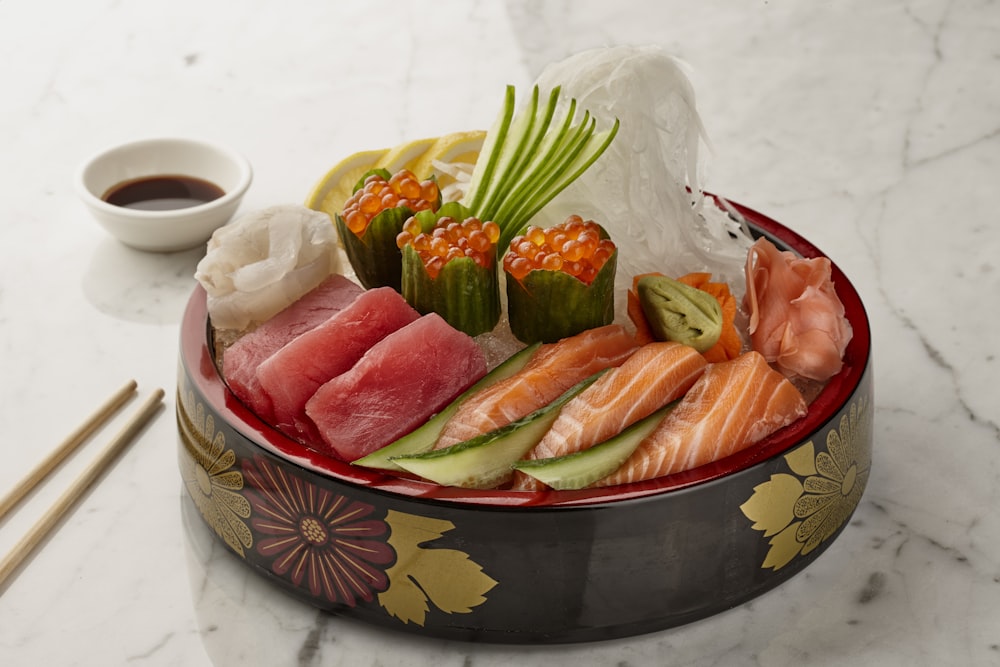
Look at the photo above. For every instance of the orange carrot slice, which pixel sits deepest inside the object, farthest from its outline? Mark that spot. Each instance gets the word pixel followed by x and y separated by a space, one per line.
pixel 729 344
pixel 643 334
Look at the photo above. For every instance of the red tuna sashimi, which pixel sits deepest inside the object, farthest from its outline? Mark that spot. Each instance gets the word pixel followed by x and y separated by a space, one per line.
pixel 553 369
pixel 396 386
pixel 241 359
pixel 732 406
pixel 292 375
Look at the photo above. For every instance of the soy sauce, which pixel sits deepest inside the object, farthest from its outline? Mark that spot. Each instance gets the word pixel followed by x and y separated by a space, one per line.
pixel 162 193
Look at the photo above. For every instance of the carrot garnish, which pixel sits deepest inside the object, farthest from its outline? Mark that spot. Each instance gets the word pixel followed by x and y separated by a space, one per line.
pixel 643 334
pixel 729 344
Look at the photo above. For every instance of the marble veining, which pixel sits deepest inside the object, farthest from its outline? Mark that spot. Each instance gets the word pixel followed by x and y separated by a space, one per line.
pixel 872 128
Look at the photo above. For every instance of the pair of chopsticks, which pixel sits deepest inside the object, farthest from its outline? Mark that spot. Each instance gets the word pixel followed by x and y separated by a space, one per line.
pixel 84 481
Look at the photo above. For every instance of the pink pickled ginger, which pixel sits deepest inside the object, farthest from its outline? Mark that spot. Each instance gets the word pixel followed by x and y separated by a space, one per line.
pixel 796 318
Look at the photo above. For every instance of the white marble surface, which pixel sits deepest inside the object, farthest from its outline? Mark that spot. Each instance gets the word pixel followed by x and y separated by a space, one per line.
pixel 873 128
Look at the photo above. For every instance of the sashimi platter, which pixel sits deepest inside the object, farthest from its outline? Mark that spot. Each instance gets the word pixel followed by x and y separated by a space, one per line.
pixel 531 384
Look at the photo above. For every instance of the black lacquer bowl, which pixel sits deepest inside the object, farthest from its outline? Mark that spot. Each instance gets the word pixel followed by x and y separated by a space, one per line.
pixel 514 567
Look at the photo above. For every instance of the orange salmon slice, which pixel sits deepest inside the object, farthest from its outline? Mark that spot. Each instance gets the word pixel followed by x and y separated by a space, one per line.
pixel 553 369
pixel 733 405
pixel 656 374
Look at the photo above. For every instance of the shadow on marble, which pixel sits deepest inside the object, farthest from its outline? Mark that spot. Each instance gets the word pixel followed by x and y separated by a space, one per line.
pixel 138 286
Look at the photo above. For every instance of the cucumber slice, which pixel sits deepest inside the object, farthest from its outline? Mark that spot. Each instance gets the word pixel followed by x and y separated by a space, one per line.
pixel 374 256
pixel 489 154
pixel 485 462
pixel 581 469
pixel 530 157
pixel 548 306
pixel 465 294
pixel 423 438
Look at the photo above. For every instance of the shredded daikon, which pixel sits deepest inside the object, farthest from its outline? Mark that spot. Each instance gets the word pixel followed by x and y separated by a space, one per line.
pixel 462 175
pixel 645 190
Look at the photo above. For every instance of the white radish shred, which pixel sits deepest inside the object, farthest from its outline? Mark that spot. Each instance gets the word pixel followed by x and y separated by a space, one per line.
pixel 262 262
pixel 462 175
pixel 645 189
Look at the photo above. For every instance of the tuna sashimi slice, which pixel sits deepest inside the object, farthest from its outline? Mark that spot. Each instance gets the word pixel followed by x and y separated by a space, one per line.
pixel 732 406
pixel 553 369
pixel 241 359
pixel 292 375
pixel 397 385
pixel 655 375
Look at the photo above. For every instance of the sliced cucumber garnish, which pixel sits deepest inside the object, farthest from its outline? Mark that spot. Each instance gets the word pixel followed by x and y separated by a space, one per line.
pixel 484 462
pixel 529 158
pixel 581 469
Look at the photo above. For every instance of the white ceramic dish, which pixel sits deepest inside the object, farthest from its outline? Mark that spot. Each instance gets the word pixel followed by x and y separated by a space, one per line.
pixel 164 230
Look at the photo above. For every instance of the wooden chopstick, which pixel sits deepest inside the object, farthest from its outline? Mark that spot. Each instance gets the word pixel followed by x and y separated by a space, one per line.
pixel 51 517
pixel 74 440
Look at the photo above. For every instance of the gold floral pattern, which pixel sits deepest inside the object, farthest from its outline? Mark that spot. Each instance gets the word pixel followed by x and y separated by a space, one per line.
pixel 208 473
pixel 800 510
pixel 446 577
pixel 329 545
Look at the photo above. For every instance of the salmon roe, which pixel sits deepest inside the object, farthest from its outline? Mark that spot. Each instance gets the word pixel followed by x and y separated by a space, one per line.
pixel 574 247
pixel 451 239
pixel 379 194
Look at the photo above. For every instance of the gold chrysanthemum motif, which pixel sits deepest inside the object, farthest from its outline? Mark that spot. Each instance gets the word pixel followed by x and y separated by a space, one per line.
pixel 799 511
pixel 208 474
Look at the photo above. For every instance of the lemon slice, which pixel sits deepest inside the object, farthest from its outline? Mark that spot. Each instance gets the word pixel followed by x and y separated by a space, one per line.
pixel 336 187
pixel 405 155
pixel 454 154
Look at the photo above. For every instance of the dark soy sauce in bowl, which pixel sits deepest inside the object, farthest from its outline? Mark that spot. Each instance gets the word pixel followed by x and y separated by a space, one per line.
pixel 162 193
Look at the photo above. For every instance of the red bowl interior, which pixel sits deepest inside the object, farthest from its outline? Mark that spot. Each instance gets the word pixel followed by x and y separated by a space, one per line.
pixel 198 358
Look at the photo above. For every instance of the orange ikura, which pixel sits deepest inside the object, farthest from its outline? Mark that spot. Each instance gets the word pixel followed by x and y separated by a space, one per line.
pixel 402 189
pixel 574 247
pixel 451 239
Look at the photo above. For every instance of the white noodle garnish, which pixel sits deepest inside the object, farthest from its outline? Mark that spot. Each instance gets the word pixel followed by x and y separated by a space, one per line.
pixel 641 189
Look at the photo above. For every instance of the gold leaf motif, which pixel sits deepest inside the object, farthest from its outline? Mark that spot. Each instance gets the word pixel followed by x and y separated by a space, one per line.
pixel 801 511
pixel 784 547
pixel 802 460
pixel 770 506
pixel 404 599
pixel 447 578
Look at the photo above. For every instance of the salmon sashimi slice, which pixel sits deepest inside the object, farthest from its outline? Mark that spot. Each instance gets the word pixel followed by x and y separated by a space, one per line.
pixel 553 369
pixel 655 375
pixel 733 405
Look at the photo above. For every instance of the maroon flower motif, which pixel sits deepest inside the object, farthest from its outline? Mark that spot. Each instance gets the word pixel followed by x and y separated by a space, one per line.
pixel 318 540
